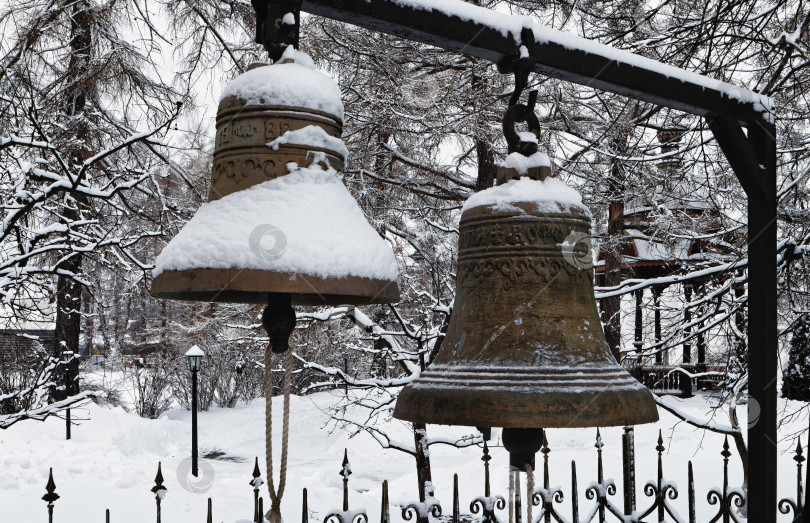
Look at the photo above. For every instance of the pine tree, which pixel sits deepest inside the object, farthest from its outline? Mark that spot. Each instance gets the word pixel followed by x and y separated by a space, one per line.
pixel 796 378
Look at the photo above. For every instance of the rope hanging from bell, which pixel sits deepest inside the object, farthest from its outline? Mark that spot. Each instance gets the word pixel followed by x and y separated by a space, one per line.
pixel 278 320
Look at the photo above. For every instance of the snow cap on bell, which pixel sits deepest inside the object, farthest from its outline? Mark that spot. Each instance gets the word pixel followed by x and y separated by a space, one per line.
pixel 279 219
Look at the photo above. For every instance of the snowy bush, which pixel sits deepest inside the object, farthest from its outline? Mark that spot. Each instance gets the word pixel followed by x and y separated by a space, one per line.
pixel 151 386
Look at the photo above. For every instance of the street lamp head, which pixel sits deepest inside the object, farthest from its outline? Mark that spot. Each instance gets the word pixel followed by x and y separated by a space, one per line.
pixel 195 356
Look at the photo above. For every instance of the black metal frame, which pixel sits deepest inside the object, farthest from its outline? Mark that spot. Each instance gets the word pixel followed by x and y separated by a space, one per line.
pixel 752 157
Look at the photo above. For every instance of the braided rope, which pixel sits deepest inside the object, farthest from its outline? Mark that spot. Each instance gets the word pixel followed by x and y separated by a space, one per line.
pixel 530 490
pixel 274 514
pixel 511 495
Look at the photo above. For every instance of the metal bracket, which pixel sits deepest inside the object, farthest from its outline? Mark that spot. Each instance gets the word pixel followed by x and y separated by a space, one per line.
pixel 273 28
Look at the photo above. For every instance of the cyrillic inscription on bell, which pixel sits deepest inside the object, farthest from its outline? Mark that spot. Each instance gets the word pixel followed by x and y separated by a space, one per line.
pixel 249 148
pixel 525 347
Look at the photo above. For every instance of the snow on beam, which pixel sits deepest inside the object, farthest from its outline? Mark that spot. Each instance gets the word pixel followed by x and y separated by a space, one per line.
pixel 483 33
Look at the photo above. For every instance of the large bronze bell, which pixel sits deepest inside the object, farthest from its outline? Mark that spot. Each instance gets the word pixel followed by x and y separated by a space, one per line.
pixel 525 348
pixel 274 120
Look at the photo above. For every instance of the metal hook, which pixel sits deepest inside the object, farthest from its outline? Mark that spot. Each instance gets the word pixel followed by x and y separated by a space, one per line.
pixel 520 67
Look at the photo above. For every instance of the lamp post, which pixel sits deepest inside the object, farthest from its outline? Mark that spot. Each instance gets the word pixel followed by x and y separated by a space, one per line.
pixel 195 356
pixel 71 372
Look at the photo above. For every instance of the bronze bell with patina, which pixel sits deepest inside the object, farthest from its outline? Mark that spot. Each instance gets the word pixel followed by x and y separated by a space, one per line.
pixel 279 227
pixel 524 348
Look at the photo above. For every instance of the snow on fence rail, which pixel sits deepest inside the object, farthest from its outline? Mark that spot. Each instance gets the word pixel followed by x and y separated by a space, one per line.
pixel 730 501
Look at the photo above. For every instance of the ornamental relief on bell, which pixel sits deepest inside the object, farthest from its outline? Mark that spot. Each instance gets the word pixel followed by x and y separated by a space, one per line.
pixel 244 167
pixel 511 271
pixel 516 233
pixel 253 132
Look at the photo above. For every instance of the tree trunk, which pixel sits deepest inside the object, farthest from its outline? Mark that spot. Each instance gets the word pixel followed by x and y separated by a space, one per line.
pixel 69 291
pixel 486 165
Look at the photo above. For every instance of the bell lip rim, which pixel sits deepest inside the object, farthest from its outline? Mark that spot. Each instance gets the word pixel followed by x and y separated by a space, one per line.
pixel 220 285
pixel 640 420
pixel 524 426
pixel 646 412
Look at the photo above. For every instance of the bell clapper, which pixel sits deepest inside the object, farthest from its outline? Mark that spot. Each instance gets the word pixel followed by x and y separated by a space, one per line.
pixel 522 445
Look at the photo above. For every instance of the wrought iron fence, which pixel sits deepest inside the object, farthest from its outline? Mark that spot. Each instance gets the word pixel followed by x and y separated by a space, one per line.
pixel 658 507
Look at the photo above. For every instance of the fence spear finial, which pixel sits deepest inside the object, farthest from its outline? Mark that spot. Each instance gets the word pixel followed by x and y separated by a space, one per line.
pixel 50 495
pixel 345 471
pixel 159 490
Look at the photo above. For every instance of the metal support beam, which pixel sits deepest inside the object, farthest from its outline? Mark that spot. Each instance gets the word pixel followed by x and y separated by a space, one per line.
pixel 739 152
pixel 753 159
pixel 480 32
pixel 762 330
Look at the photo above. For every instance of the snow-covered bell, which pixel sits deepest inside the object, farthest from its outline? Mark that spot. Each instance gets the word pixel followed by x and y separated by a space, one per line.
pixel 525 348
pixel 279 224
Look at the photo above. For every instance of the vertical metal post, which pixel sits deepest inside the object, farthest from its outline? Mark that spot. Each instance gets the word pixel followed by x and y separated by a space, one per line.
pixel 71 377
pixel 600 474
pixel 345 471
pixel 701 340
pixel 659 356
pixel 798 458
pixel 305 509
pixel 456 511
pixel 256 482
pixel 629 470
pixel 726 454
pixel 639 334
pixel 485 458
pixel 194 470
pixel 574 493
pixel 762 331
pixel 545 450
pixel 50 495
pixel 660 493
pixel 687 318
pixel 385 513
pixel 805 518
pixel 691 487
pixel 210 518
pixel 159 490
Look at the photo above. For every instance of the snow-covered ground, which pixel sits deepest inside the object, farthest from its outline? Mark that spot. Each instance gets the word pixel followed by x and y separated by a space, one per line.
pixel 112 459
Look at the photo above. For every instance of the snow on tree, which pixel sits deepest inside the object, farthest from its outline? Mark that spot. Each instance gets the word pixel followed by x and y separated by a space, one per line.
pixel 796 376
